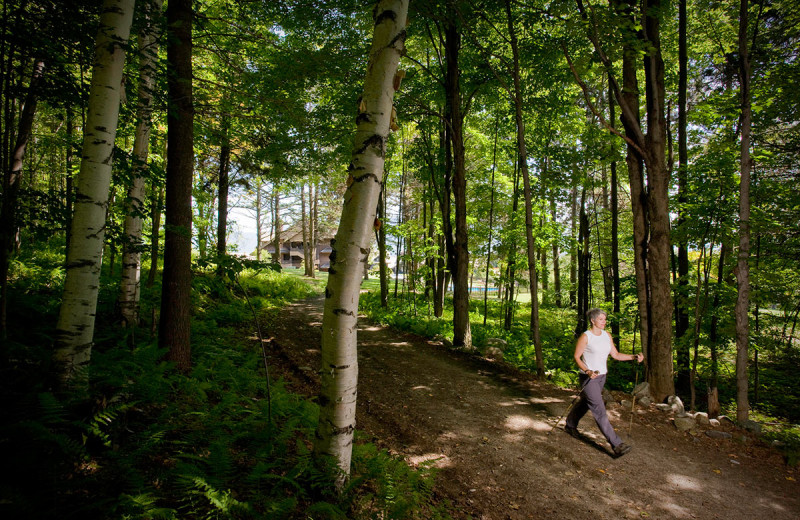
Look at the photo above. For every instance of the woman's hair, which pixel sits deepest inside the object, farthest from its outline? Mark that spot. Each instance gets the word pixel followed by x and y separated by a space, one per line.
pixel 594 313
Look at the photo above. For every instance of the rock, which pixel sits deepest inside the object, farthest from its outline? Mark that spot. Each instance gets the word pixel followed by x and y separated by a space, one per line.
pixel 701 418
pixel 664 407
pixel 714 434
pixel 684 423
pixel 607 397
pixel 641 390
pixel 497 342
pixel 714 423
pixel 645 401
pixel 447 343
pixel 726 422
pixel 677 405
pixel 625 404
pixel 751 426
pixel 494 353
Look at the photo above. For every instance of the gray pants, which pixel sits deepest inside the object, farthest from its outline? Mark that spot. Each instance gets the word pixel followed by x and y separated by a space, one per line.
pixel 592 399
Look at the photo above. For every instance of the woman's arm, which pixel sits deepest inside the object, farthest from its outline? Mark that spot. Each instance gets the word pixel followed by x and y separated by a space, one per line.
pixel 616 354
pixel 580 346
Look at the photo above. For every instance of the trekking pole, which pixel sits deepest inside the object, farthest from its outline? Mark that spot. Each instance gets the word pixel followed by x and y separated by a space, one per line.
pixel 573 402
pixel 633 403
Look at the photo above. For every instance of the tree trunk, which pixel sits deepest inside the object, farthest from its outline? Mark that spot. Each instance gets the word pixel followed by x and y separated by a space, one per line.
pixel 132 233
pixel 573 248
pixel 155 232
pixel 339 372
pixel 384 275
pixel 277 257
pixel 658 247
pixel 174 331
pixel 614 234
pixel 223 190
pixel 523 163
pixel 681 303
pixel 11 184
pixel 304 227
pixel 556 262
pixel 713 390
pixel 259 219
pixel 743 257
pixel 491 223
pixel 462 334
pixel 584 267
pixel 75 328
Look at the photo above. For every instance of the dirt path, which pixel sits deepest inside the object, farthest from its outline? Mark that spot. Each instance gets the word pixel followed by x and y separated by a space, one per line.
pixel 486 426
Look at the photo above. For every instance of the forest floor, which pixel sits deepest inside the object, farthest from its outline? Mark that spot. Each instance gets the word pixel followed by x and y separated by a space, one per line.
pixel 486 426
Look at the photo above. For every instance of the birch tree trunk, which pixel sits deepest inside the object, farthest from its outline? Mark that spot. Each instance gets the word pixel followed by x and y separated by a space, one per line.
pixel 132 232
pixel 11 185
pixel 742 266
pixel 339 372
pixel 175 330
pixel 75 328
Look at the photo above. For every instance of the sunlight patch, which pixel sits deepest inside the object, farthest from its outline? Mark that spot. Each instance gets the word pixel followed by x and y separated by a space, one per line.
pixel 423 387
pixel 684 482
pixel 436 460
pixel 523 422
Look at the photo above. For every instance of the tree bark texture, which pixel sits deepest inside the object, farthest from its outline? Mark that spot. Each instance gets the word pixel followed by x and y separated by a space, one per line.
pixel 134 204
pixel 174 331
pixel 75 328
pixel 462 334
pixel 339 371
pixel 743 258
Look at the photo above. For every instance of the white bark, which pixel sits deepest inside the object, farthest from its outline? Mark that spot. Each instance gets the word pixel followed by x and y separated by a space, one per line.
pixel 132 257
pixel 339 371
pixel 76 317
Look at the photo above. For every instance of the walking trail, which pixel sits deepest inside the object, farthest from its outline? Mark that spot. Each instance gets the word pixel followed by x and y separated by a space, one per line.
pixel 485 425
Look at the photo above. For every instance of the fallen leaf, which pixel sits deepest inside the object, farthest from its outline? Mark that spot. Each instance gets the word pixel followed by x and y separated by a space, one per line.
pixel 790 478
pixel 717 471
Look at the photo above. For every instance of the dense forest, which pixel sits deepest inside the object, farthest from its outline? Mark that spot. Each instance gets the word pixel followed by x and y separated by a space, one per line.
pixel 477 172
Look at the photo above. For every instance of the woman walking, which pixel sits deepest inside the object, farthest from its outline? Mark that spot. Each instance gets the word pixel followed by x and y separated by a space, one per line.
pixel 591 354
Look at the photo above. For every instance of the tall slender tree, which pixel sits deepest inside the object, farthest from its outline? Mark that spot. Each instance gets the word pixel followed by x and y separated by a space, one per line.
pixel 75 328
pixel 743 257
pixel 132 256
pixel 175 330
pixel 339 372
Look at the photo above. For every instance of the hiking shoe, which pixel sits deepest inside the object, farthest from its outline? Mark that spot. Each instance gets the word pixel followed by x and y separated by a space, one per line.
pixel 621 449
pixel 572 431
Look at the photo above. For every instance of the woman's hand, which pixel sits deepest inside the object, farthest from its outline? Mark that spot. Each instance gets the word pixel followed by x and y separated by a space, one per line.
pixel 638 357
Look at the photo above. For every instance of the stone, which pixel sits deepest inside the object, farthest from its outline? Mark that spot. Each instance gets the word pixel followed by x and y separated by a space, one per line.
pixel 626 405
pixel 494 353
pixel 664 407
pixel 497 342
pixel 751 426
pixel 714 434
pixel 726 422
pixel 714 423
pixel 641 390
pixel 684 423
pixel 607 397
pixel 677 405
pixel 701 418
pixel 645 400
pixel 447 343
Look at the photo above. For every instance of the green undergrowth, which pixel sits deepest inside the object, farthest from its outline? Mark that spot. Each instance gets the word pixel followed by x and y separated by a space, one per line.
pixel 146 442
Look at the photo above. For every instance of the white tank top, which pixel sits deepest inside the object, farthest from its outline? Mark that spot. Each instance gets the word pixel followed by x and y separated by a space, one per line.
pixel 595 355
